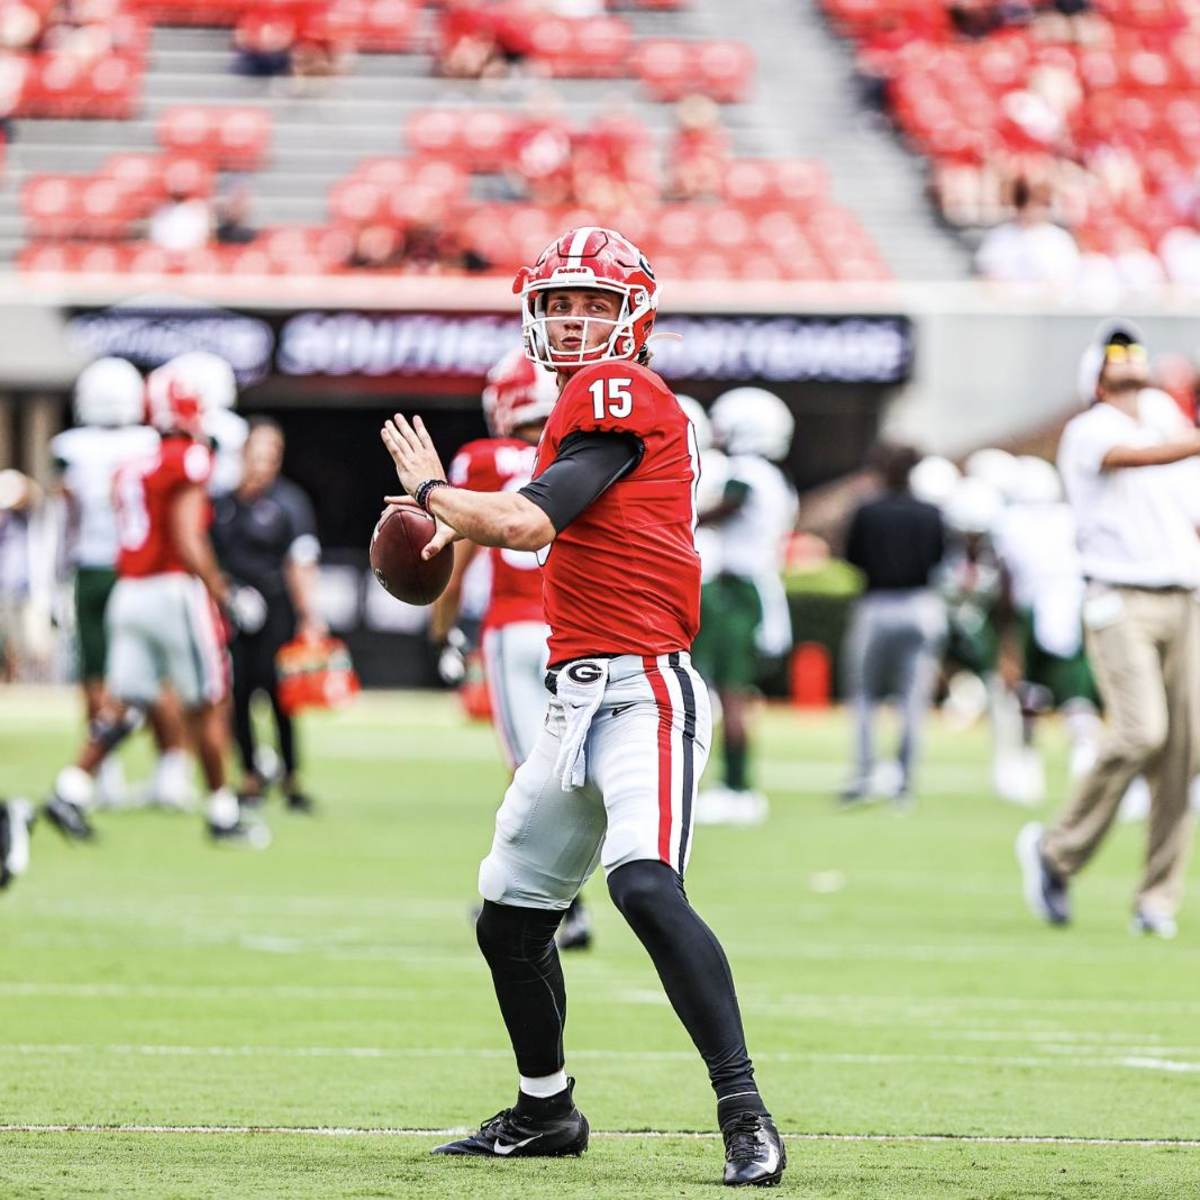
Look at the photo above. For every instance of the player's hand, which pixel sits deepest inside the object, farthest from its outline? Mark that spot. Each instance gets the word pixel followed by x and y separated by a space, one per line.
pixel 412 451
pixel 443 534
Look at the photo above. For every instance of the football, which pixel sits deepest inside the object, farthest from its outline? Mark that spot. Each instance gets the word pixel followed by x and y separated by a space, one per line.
pixel 396 544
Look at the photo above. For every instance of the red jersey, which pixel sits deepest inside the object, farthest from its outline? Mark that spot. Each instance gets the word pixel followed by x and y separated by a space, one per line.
pixel 624 576
pixel 143 492
pixel 503 465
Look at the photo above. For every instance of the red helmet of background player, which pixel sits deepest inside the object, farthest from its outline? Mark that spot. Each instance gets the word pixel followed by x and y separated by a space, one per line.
pixel 592 258
pixel 517 394
pixel 173 403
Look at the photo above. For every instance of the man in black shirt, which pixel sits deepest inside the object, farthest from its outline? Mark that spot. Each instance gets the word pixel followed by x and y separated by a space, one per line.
pixel 265 537
pixel 892 645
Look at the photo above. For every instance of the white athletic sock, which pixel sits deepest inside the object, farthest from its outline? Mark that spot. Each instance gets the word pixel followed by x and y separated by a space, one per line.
pixel 111 780
pixel 221 808
pixel 542 1087
pixel 75 786
pixel 171 783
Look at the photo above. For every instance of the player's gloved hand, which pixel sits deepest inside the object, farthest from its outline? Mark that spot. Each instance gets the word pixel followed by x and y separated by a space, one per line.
pixel 247 609
pixel 452 661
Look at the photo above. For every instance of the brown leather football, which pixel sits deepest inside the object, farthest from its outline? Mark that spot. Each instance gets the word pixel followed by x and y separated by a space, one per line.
pixel 400 536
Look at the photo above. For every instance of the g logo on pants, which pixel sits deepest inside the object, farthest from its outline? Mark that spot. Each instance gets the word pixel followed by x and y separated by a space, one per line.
pixel 584 672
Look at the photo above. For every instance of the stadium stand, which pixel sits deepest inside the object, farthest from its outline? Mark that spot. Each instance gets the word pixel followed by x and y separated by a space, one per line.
pixel 359 170
pixel 1092 104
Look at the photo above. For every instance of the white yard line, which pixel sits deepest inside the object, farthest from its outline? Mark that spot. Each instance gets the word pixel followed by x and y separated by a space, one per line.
pixel 1139 1062
pixel 634 1134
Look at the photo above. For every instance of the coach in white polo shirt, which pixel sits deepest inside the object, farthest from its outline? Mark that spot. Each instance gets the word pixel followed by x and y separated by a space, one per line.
pixel 1141 557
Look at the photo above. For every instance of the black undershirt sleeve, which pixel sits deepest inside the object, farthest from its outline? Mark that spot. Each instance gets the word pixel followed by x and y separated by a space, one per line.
pixel 586 466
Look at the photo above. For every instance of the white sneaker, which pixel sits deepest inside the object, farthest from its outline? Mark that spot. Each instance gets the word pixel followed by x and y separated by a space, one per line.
pixel 712 806
pixel 1019 777
pixel 111 789
pixel 747 808
pixel 1153 924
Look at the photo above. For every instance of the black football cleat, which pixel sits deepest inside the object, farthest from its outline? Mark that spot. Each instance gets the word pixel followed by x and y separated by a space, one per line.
pixel 510 1134
pixel 575 931
pixel 754 1151
pixel 68 819
pixel 252 834
pixel 300 802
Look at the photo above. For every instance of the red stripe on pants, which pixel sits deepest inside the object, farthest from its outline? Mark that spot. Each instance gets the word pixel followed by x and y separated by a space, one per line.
pixel 663 699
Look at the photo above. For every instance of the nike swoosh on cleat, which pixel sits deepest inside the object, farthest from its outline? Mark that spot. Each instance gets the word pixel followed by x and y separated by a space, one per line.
pixel 501 1149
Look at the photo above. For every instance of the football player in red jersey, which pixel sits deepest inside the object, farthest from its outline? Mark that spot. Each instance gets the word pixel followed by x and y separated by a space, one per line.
pixel 518 398
pixel 612 777
pixel 164 619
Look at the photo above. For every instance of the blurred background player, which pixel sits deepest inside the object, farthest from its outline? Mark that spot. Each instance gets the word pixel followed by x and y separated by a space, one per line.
pixel 1042 661
pixel 16 817
pixel 1141 557
pixel 212 378
pixel 714 470
pixel 517 401
pixel 109 433
pixel 899 624
pixel 265 536
pixel 164 620
pixel 744 611
pixel 971 582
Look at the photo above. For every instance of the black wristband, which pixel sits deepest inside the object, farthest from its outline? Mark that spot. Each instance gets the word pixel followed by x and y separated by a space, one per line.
pixel 421 496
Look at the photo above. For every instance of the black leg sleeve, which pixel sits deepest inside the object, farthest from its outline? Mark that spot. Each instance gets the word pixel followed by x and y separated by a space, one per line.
pixel 518 944
pixel 241 653
pixel 280 631
pixel 694 972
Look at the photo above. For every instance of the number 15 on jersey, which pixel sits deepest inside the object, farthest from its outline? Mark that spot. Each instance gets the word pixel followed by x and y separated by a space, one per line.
pixel 611 397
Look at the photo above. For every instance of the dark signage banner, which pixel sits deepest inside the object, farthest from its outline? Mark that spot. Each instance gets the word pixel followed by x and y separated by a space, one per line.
pixel 374 346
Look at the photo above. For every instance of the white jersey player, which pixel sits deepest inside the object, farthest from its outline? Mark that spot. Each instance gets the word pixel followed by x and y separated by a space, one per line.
pixel 744 606
pixel 108 434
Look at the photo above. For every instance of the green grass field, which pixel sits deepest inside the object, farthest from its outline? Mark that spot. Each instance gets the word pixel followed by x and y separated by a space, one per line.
pixel 285 1024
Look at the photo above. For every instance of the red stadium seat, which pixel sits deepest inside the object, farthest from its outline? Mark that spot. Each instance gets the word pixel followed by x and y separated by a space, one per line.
pixel 358 202
pixel 664 67
pixel 243 138
pixel 233 138
pixel 50 204
pixel 190 12
pixel 724 70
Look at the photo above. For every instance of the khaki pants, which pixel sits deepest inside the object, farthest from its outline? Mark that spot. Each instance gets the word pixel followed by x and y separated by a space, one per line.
pixel 1144 647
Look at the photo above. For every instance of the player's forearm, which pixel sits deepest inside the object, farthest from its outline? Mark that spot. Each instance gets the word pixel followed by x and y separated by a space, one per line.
pixel 197 554
pixel 1151 456
pixel 301 579
pixel 505 519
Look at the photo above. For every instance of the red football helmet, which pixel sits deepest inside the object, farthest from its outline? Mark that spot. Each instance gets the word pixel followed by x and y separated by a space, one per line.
pixel 517 393
pixel 173 403
pixel 589 257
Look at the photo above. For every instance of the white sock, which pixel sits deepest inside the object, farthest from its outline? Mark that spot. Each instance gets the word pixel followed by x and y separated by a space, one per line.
pixel 221 808
pixel 171 783
pixel 542 1087
pixel 75 786
pixel 111 780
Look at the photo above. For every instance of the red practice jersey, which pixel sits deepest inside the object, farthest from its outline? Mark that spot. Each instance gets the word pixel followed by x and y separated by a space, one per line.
pixel 144 492
pixel 624 576
pixel 503 465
